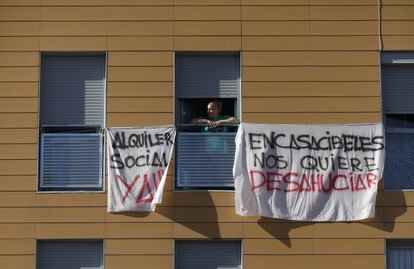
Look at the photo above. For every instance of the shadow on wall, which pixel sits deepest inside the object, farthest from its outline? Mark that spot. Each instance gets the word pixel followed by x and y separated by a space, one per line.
pixel 188 214
pixel 195 215
pixel 390 205
pixel 280 229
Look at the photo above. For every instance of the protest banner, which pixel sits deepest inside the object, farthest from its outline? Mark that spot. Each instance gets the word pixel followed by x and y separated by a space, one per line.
pixel 308 172
pixel 138 161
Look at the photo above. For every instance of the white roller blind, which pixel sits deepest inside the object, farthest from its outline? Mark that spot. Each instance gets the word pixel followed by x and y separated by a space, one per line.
pixel 71 160
pixel 69 255
pixel 207 75
pixel 205 159
pixel 72 90
pixel 207 254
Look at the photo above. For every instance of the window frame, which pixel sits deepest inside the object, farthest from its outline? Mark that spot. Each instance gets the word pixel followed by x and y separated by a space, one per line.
pixel 389 243
pixel 234 240
pixel 394 59
pixel 99 129
pixel 177 112
pixel 43 241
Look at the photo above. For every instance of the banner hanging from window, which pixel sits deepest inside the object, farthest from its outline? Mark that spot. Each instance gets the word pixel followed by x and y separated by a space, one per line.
pixel 308 172
pixel 138 161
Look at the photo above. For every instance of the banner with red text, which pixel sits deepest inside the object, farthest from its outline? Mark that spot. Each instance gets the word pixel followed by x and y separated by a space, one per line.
pixel 308 172
pixel 138 161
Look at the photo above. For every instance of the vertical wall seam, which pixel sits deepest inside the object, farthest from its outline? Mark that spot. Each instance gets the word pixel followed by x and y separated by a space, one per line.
pixel 380 48
pixel 309 62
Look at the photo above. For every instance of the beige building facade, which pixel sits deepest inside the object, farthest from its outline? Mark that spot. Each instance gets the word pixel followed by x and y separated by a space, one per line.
pixel 301 62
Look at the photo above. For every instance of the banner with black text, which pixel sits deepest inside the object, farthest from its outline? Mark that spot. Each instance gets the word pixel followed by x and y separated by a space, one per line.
pixel 308 172
pixel 138 161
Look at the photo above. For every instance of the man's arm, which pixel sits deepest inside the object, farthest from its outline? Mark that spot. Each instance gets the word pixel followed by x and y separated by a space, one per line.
pixel 230 120
pixel 200 121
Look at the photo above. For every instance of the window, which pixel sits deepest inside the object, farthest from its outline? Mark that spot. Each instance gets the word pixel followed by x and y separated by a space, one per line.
pixel 71 122
pixel 205 155
pixel 205 254
pixel 398 109
pixel 69 254
pixel 400 254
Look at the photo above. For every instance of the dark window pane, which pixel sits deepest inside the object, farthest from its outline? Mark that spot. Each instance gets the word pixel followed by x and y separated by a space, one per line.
pixel 399 120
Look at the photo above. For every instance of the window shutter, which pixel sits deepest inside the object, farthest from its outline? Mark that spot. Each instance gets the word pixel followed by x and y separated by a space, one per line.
pixel 71 160
pixel 398 82
pixel 72 90
pixel 207 76
pixel 208 254
pixel 400 256
pixel 69 255
pixel 205 159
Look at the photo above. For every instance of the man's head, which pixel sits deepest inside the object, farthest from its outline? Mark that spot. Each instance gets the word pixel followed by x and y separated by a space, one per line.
pixel 213 109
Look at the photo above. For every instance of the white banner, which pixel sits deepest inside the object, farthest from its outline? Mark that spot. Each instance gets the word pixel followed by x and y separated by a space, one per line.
pixel 308 172
pixel 138 161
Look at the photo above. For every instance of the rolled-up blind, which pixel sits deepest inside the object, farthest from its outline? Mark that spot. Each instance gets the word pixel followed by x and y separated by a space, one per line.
pixel 207 254
pixel 72 90
pixel 398 89
pixel 397 82
pixel 205 159
pixel 69 255
pixel 70 160
pixel 207 75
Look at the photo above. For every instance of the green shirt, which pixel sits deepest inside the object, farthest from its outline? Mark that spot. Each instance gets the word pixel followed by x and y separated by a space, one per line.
pixel 218 128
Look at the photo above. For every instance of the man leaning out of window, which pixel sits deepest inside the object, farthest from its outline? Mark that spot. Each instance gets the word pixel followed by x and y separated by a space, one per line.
pixel 214 120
